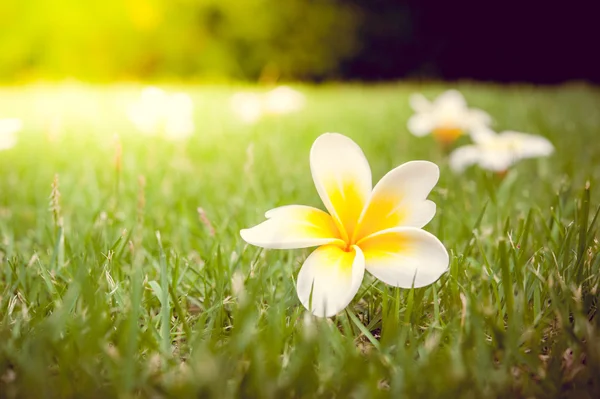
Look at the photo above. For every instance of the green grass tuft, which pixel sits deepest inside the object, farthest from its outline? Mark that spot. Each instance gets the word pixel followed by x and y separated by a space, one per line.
pixel 121 287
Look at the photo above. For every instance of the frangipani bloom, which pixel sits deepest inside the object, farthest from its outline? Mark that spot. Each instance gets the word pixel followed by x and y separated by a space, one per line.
pixel 250 107
pixel 498 152
pixel 247 106
pixel 283 100
pixel 378 229
pixel 8 130
pixel 158 112
pixel 447 117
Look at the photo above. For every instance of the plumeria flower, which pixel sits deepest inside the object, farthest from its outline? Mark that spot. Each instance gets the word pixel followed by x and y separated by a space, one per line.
pixel 498 152
pixel 8 132
pixel 158 112
pixel 179 116
pixel 448 117
pixel 247 106
pixel 283 100
pixel 378 229
pixel 251 107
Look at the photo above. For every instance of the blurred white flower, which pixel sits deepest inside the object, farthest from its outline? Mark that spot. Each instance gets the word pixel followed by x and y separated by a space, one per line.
pixel 498 152
pixel 54 127
pixel 251 107
pixel 8 132
pixel 179 116
pixel 146 112
pixel 247 106
pixel 283 100
pixel 158 112
pixel 447 117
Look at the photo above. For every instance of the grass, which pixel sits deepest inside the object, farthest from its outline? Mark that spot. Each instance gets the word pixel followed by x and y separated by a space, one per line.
pixel 114 284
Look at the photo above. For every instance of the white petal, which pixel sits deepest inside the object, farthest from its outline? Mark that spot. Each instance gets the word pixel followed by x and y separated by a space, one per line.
pixel 283 100
pixel 7 141
pixel 148 113
pixel 421 124
pixel 247 106
pixel 179 128
pixel 293 226
pixel 419 103
pixel 8 129
pixel 405 257
pixel 329 279
pixel 451 99
pixel 342 177
pixel 145 121
pixel 421 213
pixel 529 145
pixel 463 157
pixel 153 95
pixel 450 111
pixel 179 116
pixel 181 103
pixel 10 126
pixel 400 199
pixel 497 161
pixel 483 135
pixel 477 119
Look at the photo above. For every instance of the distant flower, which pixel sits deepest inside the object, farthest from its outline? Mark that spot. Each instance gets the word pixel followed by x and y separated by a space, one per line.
pixel 54 128
pixel 179 116
pixel 247 106
pixel 447 117
pixel 283 100
pixel 161 113
pixel 378 229
pixel 251 107
pixel 498 152
pixel 8 132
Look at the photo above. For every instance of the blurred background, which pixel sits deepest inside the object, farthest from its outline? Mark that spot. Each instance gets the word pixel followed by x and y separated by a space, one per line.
pixel 297 40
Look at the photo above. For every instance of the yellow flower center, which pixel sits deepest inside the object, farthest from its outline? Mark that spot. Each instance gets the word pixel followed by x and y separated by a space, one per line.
pixel 447 135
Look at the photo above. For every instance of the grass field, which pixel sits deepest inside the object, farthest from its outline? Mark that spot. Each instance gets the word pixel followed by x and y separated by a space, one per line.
pixel 113 284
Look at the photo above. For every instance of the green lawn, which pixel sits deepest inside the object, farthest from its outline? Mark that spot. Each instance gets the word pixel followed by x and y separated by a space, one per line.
pixel 123 291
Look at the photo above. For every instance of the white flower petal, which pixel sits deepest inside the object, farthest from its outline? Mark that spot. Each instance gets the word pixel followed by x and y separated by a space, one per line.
pixel 342 177
pixel 283 100
pixel 463 157
pixel 9 126
pixel 181 103
pixel 293 226
pixel 421 213
pixel 529 145
pixel 476 119
pixel 148 112
pixel 482 135
pixel 179 116
pixel 405 257
pixel 497 161
pixel 451 99
pixel 451 113
pixel 497 152
pixel 400 199
pixel 247 106
pixel 8 132
pixel 419 103
pixel 153 95
pixel 329 279
pixel 7 141
pixel 421 124
pixel 179 128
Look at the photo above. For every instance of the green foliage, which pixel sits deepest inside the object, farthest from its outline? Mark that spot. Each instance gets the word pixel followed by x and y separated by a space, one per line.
pixel 95 303
pixel 182 38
